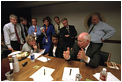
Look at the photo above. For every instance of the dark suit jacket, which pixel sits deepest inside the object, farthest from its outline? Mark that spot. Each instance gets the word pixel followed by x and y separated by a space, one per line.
pixel 59 51
pixel 92 52
pixel 67 41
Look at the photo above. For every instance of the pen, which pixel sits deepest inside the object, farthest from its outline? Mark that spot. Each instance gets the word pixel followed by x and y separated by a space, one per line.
pixel 47 59
pixel 70 71
pixel 44 71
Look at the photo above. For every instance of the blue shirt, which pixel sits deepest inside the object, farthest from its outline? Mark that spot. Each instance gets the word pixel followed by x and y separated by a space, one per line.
pixel 32 29
pixel 101 30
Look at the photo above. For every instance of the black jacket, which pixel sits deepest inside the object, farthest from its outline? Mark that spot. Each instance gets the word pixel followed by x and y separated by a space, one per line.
pixel 59 51
pixel 93 52
pixel 68 41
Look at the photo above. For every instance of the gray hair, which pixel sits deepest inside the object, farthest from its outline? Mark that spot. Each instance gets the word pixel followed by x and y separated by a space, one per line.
pixel 87 37
pixel 96 14
pixel 12 15
pixel 64 19
pixel 29 38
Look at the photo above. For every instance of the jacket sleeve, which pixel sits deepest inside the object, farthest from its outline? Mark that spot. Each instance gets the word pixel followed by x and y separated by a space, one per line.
pixel 74 33
pixel 95 59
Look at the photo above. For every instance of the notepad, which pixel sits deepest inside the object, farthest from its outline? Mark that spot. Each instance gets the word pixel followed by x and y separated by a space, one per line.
pixel 39 75
pixel 70 75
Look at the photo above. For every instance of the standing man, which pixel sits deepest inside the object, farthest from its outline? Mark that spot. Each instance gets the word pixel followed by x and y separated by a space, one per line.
pixel 68 34
pixel 12 34
pixel 24 29
pixel 34 29
pixel 58 25
pixel 84 51
pixel 99 30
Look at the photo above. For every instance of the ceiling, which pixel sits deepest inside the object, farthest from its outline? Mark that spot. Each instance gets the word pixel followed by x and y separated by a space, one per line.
pixel 28 4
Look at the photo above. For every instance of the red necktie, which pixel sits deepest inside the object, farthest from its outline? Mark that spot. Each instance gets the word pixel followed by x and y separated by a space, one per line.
pixel 35 29
pixel 17 34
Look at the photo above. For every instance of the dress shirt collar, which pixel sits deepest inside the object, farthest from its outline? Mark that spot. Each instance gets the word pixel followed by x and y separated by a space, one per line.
pixel 12 23
pixel 87 47
pixel 34 26
pixel 67 27
pixel 98 23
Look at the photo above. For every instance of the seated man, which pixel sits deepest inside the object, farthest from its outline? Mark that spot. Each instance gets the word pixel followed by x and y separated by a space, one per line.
pixel 84 51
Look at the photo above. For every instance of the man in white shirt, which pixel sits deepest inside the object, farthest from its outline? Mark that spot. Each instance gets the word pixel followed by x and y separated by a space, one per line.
pixel 12 34
pixel 58 24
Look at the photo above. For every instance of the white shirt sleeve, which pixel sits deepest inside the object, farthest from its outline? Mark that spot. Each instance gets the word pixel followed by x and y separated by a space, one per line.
pixel 7 36
pixel 88 60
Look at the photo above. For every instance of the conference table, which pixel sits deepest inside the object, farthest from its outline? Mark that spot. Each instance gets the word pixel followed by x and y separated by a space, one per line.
pixel 58 64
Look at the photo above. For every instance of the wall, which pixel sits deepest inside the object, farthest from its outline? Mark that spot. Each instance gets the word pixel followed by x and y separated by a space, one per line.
pixel 76 12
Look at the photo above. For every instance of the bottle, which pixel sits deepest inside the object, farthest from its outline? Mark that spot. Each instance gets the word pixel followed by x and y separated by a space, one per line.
pixel 32 56
pixel 103 74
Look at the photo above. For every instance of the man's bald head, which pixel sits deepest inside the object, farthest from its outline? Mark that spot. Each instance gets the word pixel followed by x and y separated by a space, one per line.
pixel 83 39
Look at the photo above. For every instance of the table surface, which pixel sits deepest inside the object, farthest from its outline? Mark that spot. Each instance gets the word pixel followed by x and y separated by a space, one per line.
pixel 58 64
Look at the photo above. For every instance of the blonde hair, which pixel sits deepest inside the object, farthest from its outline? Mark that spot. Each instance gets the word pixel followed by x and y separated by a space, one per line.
pixel 12 15
pixel 29 38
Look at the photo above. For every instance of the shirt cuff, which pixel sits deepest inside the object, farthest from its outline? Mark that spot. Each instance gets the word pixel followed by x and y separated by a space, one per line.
pixel 9 46
pixel 69 57
pixel 88 60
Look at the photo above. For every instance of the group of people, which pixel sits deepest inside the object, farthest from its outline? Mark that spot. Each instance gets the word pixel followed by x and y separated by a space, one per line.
pixel 59 39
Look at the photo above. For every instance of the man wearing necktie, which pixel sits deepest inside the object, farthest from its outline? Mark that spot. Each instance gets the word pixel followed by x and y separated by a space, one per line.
pixel 12 34
pixel 24 29
pixel 99 30
pixel 68 34
pixel 34 29
pixel 84 51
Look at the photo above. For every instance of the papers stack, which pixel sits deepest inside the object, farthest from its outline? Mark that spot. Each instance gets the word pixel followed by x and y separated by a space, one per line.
pixel 69 74
pixel 43 74
pixel 43 59
pixel 37 54
pixel 110 77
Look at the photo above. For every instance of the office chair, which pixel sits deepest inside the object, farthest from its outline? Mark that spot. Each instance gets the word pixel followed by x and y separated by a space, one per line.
pixel 104 57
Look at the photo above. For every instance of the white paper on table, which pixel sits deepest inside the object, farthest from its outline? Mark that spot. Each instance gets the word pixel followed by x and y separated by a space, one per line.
pixel 67 76
pixel 40 73
pixel 37 54
pixel 110 77
pixel 13 53
pixel 43 59
pixel 44 78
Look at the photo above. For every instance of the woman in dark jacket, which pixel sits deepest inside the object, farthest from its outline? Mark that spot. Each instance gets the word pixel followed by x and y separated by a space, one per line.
pixel 56 49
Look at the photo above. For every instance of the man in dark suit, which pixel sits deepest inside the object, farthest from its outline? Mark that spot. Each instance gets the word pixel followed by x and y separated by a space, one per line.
pixel 68 34
pixel 84 51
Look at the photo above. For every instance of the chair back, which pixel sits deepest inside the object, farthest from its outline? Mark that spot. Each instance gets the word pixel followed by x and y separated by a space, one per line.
pixel 104 57
pixel 4 63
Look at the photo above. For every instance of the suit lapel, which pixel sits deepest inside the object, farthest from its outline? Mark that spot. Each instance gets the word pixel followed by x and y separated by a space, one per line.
pixel 89 50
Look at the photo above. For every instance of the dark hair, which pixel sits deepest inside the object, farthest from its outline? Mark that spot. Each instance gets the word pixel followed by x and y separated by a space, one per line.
pixel 22 18
pixel 45 18
pixel 55 35
pixel 34 18
pixel 56 17
pixel 64 19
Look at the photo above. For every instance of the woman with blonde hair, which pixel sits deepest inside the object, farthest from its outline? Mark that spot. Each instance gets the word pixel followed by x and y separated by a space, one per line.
pixel 30 44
